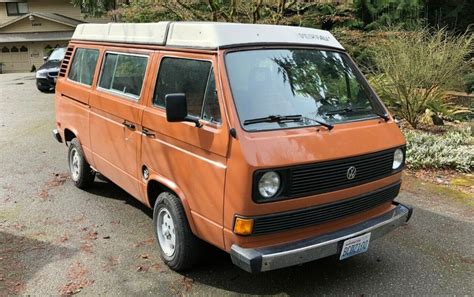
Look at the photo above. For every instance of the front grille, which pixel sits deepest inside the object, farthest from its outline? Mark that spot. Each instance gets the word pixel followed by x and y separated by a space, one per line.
pixel 332 175
pixel 323 213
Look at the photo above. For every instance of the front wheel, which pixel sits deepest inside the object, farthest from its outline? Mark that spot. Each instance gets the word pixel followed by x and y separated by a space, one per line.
pixel 179 248
pixel 81 173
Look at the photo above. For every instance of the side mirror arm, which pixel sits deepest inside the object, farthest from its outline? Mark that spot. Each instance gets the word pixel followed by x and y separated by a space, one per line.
pixel 194 120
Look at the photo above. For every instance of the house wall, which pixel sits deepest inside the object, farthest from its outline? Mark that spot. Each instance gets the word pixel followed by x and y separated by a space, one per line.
pixel 23 61
pixel 63 7
pixel 35 51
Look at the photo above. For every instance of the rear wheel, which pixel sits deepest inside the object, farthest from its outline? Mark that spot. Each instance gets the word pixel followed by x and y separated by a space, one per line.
pixel 81 173
pixel 178 246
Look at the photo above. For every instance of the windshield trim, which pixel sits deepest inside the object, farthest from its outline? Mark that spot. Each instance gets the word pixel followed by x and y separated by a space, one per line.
pixel 378 105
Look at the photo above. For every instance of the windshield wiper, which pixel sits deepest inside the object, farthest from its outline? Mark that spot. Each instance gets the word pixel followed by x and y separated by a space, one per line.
pixel 286 118
pixel 275 118
pixel 325 124
pixel 350 110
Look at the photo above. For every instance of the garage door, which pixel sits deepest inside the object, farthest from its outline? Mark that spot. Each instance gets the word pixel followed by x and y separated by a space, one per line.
pixel 15 58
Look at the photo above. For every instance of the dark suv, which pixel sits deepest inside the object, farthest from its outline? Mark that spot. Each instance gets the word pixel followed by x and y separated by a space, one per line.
pixel 47 73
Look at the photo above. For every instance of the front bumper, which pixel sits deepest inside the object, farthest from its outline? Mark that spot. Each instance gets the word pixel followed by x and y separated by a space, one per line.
pixel 280 256
pixel 45 84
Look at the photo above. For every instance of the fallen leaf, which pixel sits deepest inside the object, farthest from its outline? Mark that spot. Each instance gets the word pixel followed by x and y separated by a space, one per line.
pixel 93 235
pixel 86 247
pixel 188 283
pixel 64 238
pixel 142 268
pixel 145 242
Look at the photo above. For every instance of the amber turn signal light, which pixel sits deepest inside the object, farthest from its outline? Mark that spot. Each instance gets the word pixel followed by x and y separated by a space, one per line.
pixel 243 226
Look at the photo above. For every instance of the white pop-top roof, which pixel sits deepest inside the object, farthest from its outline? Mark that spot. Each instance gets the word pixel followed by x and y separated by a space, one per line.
pixel 203 34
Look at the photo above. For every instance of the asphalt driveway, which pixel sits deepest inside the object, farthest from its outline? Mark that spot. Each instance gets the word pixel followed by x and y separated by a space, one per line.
pixel 56 239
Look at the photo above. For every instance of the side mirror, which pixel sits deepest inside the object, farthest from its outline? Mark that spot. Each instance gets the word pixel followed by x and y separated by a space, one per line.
pixel 177 109
pixel 45 58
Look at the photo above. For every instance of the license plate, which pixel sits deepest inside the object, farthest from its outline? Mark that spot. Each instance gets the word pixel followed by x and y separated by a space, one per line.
pixel 355 246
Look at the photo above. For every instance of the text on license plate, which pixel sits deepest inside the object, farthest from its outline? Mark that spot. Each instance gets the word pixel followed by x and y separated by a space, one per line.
pixel 354 246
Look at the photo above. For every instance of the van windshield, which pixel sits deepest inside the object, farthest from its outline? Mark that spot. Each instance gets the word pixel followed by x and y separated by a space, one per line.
pixel 311 86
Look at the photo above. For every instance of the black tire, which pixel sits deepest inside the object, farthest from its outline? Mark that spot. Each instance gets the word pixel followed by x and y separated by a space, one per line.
pixel 43 90
pixel 82 175
pixel 188 248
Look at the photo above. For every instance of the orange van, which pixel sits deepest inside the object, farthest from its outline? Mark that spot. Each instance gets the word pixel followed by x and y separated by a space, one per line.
pixel 264 141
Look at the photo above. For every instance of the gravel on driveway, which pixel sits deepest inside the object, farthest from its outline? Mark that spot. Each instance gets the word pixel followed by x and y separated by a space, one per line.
pixel 56 239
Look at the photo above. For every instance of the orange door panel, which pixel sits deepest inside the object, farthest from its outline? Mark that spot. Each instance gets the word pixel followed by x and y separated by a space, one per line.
pixel 192 158
pixel 116 136
pixel 198 173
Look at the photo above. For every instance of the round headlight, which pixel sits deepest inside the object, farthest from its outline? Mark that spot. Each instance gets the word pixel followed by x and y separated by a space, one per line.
pixel 269 184
pixel 397 159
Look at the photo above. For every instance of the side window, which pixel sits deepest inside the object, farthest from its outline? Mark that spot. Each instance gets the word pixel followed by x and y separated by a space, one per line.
pixel 210 108
pixel 193 78
pixel 83 65
pixel 123 73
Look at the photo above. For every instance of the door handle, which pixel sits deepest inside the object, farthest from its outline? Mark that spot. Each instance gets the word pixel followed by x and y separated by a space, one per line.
pixel 129 125
pixel 148 133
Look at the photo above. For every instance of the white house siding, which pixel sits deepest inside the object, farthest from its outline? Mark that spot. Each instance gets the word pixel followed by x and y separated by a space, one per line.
pixel 63 7
pixel 14 33
pixel 23 61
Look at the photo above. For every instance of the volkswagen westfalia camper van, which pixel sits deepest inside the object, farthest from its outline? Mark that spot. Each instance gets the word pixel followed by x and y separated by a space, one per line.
pixel 265 141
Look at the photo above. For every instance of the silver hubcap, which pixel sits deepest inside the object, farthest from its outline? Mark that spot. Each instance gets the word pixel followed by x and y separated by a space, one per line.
pixel 166 232
pixel 74 164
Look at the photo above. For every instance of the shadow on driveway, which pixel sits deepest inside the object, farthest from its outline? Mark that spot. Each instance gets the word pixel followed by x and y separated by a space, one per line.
pixel 21 257
pixel 105 188
pixel 411 259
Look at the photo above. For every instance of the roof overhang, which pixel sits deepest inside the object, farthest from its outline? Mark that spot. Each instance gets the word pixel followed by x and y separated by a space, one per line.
pixel 34 37
pixel 60 19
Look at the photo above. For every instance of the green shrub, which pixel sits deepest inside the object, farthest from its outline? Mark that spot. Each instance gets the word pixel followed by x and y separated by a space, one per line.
pixel 451 150
pixel 449 108
pixel 469 83
pixel 382 13
pixel 415 69
pixel 359 45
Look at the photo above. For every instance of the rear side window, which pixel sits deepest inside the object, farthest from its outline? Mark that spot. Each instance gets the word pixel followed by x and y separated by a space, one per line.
pixel 83 65
pixel 123 73
pixel 194 78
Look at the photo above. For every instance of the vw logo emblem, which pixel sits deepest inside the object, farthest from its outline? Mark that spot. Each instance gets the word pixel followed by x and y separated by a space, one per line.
pixel 351 173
